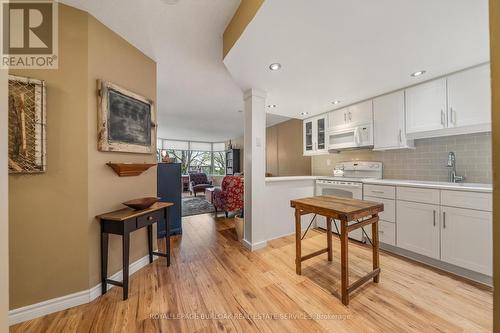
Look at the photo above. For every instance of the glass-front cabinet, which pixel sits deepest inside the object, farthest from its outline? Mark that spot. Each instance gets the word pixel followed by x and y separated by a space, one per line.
pixel 315 135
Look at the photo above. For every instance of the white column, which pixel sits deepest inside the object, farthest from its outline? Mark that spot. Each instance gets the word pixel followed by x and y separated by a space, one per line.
pixel 255 168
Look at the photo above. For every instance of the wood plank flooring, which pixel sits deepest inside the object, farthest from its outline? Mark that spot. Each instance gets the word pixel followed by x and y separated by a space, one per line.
pixel 213 275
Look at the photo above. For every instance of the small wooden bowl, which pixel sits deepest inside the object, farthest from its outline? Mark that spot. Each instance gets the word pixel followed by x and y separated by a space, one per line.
pixel 142 203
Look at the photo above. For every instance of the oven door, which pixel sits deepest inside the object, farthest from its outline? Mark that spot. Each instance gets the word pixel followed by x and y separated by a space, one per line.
pixel 352 190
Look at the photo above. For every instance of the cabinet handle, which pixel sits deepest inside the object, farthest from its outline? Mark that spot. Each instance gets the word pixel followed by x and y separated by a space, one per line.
pixel 434 217
pixel 150 218
pixel 381 231
pixel 453 115
pixel 345 118
pixel 350 115
pixel 375 191
pixel 400 136
pixel 444 220
pixel 442 118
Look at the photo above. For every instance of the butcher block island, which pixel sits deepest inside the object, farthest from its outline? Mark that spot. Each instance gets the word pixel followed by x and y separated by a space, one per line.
pixel 352 214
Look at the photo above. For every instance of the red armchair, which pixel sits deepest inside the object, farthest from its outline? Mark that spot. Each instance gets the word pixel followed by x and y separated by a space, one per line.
pixel 229 197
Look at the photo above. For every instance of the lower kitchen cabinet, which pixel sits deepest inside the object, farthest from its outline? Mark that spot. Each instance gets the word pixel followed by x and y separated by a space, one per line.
pixel 466 239
pixel 387 232
pixel 418 228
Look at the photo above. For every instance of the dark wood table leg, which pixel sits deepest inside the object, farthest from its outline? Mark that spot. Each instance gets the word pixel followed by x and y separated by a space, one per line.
pixel 104 260
pixel 126 251
pixel 375 241
pixel 344 261
pixel 298 236
pixel 167 238
pixel 150 243
pixel 329 238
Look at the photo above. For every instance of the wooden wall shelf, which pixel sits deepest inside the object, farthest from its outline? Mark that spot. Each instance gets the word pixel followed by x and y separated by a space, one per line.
pixel 130 169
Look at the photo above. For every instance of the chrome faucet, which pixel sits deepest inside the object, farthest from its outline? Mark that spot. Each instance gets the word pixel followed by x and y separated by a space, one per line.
pixel 452 173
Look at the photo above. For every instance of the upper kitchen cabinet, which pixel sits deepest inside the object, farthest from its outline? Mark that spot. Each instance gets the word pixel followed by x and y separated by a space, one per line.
pixel 355 115
pixel 469 98
pixel 389 122
pixel 457 104
pixel 426 107
pixel 315 135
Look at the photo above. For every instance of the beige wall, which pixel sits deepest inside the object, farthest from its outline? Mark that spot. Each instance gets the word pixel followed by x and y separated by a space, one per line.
pixel 113 59
pixel 54 235
pixel 4 218
pixel 284 154
pixel 426 162
pixel 48 212
pixel 495 74
pixel 243 16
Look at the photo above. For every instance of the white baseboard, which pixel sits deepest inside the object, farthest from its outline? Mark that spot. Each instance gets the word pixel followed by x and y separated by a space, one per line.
pixel 254 246
pixel 36 310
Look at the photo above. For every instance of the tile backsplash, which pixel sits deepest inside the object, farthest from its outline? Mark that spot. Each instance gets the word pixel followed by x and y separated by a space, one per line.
pixel 426 162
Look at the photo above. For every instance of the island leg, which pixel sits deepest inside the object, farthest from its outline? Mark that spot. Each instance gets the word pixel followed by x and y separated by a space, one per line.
pixel 298 235
pixel 329 238
pixel 344 260
pixel 375 250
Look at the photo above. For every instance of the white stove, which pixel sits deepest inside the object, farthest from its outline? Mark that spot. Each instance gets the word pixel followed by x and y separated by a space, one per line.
pixel 348 182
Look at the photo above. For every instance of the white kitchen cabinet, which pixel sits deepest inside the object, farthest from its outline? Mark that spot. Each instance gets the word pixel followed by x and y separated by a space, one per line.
pixel 469 97
pixel 314 131
pixel 418 228
pixel 389 122
pixel 360 114
pixel 426 107
pixel 466 239
pixel 337 119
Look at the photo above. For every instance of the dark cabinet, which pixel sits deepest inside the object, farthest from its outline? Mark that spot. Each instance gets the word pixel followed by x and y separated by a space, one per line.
pixel 170 190
pixel 232 161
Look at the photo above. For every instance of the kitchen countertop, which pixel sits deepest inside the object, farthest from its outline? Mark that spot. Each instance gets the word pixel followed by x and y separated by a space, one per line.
pixel 472 187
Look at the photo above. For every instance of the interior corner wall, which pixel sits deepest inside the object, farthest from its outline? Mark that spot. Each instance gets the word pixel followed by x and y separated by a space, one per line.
pixel 113 59
pixel 4 218
pixel 48 211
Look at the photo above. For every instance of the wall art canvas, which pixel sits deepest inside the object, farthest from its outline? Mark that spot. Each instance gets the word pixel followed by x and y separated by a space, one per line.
pixel 126 120
pixel 27 125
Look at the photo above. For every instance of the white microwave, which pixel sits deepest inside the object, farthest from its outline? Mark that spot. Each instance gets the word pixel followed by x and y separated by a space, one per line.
pixel 350 138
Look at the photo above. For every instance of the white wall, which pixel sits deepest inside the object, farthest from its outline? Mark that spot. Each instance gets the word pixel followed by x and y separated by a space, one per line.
pixel 279 215
pixel 4 232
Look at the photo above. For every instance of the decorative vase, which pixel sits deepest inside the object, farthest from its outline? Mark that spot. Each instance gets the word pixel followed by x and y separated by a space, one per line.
pixel 239 225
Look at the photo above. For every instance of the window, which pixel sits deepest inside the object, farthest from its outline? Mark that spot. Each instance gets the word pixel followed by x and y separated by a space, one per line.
pixel 206 157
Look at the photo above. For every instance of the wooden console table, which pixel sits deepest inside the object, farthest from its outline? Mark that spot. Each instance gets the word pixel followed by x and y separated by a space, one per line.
pixel 122 222
pixel 345 210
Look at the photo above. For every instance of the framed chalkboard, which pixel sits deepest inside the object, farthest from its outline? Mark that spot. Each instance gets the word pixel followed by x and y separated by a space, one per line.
pixel 126 120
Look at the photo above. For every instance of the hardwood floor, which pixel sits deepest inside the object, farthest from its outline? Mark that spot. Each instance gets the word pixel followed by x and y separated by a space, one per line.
pixel 213 274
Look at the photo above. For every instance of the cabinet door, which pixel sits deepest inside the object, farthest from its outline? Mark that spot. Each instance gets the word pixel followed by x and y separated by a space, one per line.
pixel 308 137
pixel 469 97
pixel 466 239
pixel 389 121
pixel 361 113
pixel 337 119
pixel 321 145
pixel 426 107
pixel 418 228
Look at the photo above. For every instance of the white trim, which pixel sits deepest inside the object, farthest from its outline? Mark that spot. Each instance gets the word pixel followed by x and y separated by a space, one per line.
pixel 253 246
pixel 36 310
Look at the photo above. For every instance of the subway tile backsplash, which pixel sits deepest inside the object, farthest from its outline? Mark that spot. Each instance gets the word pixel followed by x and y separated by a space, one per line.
pixel 426 162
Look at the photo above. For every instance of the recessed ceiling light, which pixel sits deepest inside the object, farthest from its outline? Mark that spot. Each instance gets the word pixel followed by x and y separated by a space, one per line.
pixel 272 106
pixel 418 73
pixel 304 113
pixel 335 102
pixel 275 66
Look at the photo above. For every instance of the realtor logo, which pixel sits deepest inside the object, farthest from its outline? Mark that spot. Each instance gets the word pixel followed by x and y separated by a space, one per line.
pixel 29 34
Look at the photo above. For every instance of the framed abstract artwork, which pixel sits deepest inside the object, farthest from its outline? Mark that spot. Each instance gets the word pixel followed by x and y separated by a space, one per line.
pixel 27 125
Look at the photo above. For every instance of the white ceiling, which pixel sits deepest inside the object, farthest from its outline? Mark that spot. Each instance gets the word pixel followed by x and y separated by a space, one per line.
pixel 353 50
pixel 197 98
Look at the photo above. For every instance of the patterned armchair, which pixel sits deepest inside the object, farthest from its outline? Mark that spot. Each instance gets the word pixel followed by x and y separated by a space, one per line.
pixel 229 197
pixel 198 182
